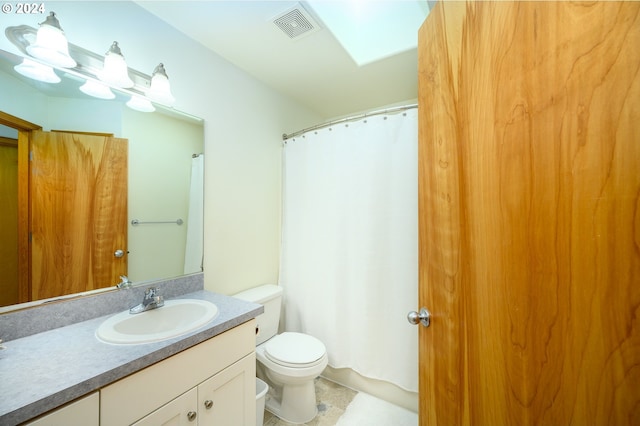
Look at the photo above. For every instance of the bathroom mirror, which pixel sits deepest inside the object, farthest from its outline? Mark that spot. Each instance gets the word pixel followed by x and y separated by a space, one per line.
pixel 163 148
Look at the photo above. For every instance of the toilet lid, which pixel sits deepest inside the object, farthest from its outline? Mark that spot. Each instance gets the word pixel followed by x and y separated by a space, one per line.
pixel 294 349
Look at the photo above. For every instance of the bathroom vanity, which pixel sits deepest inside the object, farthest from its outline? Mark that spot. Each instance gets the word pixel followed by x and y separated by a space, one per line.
pixel 67 376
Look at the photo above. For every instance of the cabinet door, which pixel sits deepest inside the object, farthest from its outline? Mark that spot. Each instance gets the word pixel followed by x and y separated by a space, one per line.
pixel 182 411
pixel 229 397
pixel 83 412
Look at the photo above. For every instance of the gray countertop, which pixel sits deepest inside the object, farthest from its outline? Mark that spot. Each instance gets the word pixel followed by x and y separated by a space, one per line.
pixel 43 371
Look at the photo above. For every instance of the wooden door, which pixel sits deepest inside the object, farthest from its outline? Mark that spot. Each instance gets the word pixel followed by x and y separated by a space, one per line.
pixel 529 168
pixel 8 221
pixel 78 195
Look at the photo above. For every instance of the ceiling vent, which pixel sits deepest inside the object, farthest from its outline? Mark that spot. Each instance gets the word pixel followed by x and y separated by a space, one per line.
pixel 296 22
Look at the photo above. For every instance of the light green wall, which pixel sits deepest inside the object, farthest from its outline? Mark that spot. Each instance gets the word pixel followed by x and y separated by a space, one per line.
pixel 160 150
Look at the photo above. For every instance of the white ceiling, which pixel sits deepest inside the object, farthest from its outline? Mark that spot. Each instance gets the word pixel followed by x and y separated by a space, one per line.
pixel 313 69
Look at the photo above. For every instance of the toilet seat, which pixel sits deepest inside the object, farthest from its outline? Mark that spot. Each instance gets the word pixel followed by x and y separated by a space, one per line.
pixel 295 350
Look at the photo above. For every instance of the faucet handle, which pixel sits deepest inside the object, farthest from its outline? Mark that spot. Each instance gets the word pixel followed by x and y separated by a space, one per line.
pixel 150 292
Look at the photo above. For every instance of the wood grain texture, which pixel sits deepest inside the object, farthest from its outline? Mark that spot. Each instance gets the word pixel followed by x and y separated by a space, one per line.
pixel 529 213
pixel 9 224
pixel 24 129
pixel 78 212
pixel 24 249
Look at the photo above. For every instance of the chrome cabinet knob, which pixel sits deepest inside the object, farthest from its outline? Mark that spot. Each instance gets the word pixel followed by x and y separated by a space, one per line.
pixel 423 317
pixel 191 415
pixel 208 404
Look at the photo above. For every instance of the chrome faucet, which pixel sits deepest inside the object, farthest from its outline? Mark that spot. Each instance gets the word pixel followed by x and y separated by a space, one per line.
pixel 124 282
pixel 151 300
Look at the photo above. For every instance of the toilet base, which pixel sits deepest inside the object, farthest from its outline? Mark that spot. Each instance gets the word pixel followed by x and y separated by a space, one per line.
pixel 292 391
pixel 294 403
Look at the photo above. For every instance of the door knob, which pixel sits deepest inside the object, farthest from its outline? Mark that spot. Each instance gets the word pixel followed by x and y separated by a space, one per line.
pixel 118 253
pixel 424 317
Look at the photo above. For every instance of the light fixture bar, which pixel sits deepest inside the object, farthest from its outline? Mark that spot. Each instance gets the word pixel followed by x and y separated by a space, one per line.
pixel 89 64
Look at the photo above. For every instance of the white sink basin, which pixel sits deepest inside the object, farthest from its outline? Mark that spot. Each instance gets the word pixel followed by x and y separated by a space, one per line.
pixel 175 318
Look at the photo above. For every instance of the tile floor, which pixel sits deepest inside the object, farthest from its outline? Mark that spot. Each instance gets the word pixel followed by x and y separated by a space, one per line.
pixel 333 400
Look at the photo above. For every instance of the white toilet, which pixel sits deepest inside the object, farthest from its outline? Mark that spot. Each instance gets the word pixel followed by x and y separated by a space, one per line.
pixel 288 362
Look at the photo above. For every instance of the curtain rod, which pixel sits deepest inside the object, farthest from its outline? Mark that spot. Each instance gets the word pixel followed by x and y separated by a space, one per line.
pixel 344 120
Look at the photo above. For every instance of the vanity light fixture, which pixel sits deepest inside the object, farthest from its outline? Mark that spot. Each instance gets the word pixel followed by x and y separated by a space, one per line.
pixel 115 70
pixel 140 104
pixel 99 73
pixel 97 89
pixel 160 90
pixel 37 71
pixel 51 45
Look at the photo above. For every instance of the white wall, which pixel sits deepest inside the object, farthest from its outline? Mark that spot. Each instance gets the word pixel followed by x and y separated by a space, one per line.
pixel 15 98
pixel 244 121
pixel 23 101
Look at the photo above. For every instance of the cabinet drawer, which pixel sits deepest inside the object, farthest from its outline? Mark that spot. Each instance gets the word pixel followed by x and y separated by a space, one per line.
pixel 137 395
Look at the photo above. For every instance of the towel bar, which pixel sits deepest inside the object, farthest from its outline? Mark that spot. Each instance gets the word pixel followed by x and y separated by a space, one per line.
pixel 135 222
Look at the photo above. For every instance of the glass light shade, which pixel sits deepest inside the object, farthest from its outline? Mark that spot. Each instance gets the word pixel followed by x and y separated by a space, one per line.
pixel 140 104
pixel 97 90
pixel 51 44
pixel 160 90
pixel 37 71
pixel 114 71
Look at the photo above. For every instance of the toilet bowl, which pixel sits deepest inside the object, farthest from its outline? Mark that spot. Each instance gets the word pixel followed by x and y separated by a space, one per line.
pixel 289 362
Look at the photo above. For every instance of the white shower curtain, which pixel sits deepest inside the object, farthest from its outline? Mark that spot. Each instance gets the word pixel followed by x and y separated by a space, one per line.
pixel 349 265
pixel 193 253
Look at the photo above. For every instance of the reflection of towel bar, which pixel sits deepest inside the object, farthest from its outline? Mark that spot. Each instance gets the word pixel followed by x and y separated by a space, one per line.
pixel 135 222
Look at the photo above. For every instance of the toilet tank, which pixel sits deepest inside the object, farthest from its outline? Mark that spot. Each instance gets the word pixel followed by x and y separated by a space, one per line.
pixel 269 296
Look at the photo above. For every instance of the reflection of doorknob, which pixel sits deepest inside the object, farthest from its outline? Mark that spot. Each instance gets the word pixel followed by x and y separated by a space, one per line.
pixel 424 317
pixel 118 253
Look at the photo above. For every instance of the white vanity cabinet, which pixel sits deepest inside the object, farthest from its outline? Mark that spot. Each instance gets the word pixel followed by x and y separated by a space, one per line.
pixel 83 412
pixel 220 400
pixel 212 383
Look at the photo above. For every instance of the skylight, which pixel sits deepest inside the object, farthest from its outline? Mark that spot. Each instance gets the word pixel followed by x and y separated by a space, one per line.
pixel 370 30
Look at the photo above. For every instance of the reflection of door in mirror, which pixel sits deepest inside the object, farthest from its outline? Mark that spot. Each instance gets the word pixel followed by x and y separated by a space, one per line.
pixel 15 285
pixel 74 177
pixel 9 220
